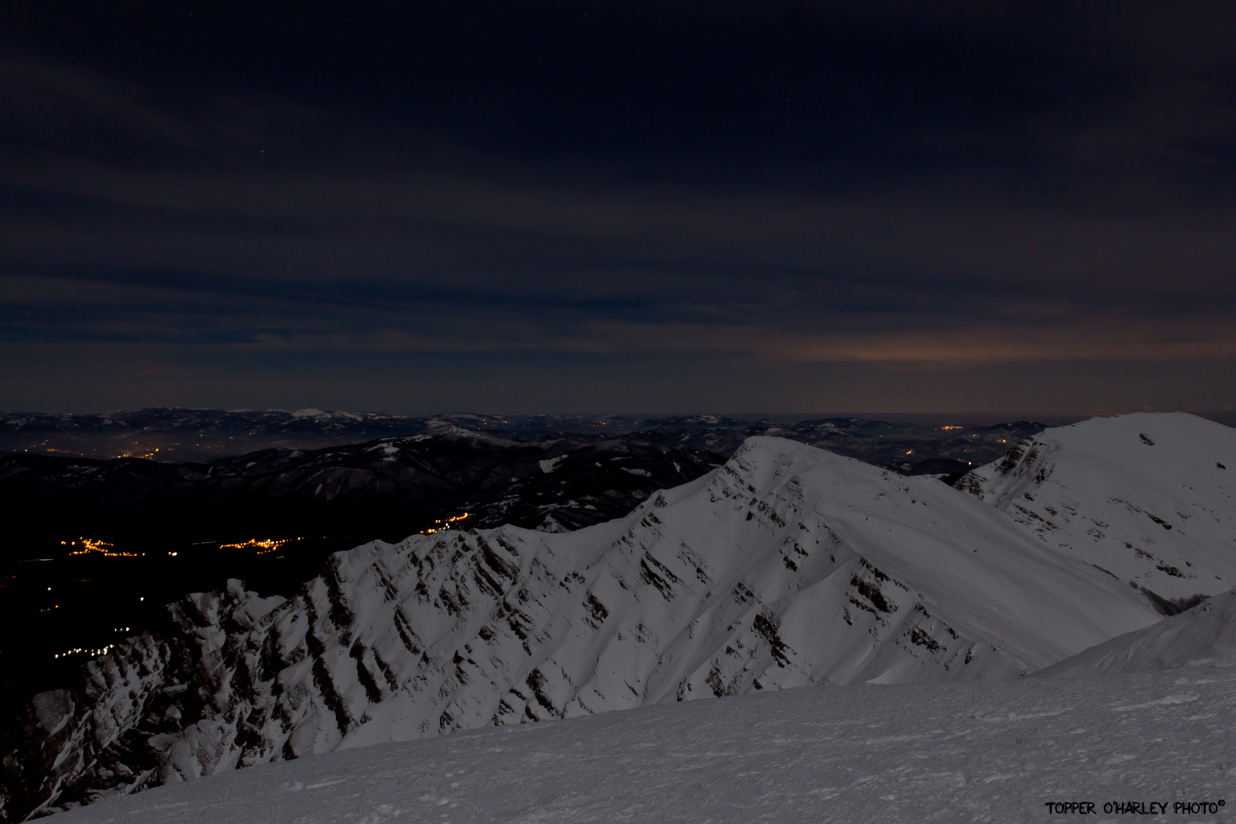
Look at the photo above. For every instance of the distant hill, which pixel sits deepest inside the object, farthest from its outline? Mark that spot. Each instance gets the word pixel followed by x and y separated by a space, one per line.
pixel 196 435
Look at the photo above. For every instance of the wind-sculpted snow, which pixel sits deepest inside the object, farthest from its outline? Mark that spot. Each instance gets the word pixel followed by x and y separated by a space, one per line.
pixel 1147 498
pixel 786 567
pixel 989 752
pixel 1204 636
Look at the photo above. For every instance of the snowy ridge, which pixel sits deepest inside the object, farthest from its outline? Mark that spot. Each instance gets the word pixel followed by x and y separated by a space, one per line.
pixel 1202 636
pixel 788 566
pixel 1147 498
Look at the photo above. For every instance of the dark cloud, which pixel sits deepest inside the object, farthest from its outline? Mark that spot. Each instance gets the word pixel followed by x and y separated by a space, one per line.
pixel 627 207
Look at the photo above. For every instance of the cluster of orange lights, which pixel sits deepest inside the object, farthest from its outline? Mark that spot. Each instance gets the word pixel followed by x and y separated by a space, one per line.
pixel 90 652
pixel 262 545
pixel 89 546
pixel 950 428
pixel 444 524
pixel 144 455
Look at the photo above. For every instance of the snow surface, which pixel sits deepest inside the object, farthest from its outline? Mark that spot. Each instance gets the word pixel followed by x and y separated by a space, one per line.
pixel 1202 636
pixel 991 752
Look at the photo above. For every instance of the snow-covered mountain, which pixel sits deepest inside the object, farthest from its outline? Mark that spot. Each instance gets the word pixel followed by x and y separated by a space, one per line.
pixel 788 566
pixel 1148 498
pixel 184 526
pixel 1203 636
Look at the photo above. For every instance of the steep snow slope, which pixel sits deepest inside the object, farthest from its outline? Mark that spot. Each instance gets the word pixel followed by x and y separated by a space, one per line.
pixel 1204 636
pixel 989 752
pixel 786 567
pixel 1148 498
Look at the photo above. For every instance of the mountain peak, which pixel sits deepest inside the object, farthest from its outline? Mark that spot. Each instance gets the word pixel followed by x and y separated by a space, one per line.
pixel 1138 496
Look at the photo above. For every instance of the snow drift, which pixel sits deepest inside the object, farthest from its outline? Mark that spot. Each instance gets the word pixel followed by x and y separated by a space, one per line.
pixel 974 752
pixel 1204 636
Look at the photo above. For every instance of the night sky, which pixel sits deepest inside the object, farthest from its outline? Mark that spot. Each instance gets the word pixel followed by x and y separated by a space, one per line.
pixel 627 207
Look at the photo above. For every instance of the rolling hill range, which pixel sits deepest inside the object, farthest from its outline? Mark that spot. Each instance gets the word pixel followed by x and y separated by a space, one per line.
pixel 203 435
pixel 391 487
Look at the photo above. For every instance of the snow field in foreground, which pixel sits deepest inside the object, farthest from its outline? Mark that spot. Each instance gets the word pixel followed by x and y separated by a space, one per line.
pixel 983 752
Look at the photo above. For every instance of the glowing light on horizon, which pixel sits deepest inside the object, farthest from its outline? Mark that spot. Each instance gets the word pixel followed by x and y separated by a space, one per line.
pixel 262 545
pixel 445 524
pixel 95 546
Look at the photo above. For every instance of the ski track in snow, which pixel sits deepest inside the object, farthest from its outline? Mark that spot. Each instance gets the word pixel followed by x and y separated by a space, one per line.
pixel 991 752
